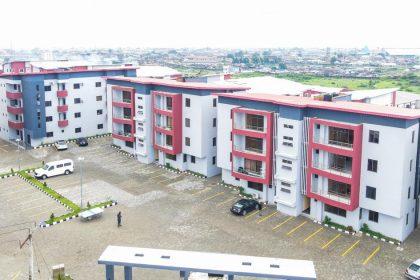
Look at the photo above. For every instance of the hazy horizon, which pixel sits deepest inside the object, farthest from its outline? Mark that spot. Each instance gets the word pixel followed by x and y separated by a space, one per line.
pixel 231 24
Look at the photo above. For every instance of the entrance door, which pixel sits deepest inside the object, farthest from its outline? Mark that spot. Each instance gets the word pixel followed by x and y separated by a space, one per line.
pixel 306 205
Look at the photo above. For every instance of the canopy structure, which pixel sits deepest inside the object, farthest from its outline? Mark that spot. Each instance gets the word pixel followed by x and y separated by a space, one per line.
pixel 187 261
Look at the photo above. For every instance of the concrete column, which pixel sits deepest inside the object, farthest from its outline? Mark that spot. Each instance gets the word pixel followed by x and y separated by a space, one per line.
pixel 128 273
pixel 230 277
pixel 184 274
pixel 109 271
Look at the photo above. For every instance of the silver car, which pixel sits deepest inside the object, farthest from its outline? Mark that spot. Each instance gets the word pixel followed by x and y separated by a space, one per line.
pixel 61 145
pixel 413 271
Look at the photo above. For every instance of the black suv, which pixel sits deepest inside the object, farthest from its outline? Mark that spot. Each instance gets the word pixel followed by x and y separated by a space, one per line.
pixel 81 142
pixel 244 206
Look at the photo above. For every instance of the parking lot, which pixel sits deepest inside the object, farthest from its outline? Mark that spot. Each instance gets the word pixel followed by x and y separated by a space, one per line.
pixel 167 210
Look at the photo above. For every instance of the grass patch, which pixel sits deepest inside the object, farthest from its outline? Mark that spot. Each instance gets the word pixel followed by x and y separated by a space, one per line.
pixel 365 228
pixel 327 220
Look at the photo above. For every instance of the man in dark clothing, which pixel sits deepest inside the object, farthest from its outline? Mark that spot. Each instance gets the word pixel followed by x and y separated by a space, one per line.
pixel 119 216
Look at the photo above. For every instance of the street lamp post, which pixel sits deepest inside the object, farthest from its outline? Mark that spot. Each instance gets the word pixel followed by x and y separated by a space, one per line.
pixel 81 180
pixel 18 150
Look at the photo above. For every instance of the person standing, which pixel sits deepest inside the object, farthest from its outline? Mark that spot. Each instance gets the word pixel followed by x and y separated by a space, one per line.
pixel 119 216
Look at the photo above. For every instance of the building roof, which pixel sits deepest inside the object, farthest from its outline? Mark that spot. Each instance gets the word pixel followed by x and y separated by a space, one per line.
pixel 153 71
pixel 227 264
pixel 370 93
pixel 56 64
pixel 344 106
pixel 60 71
pixel 173 83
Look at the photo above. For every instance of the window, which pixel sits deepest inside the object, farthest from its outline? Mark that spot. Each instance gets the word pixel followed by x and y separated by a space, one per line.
pixel 214 122
pixel 214 141
pixel 214 158
pixel 99 112
pixel 285 190
pixel 100 126
pixel 288 126
pixel 171 157
pixel 169 140
pixel 47 88
pixel 47 103
pixel 37 87
pixel 318 126
pixel 185 158
pixel 289 144
pixel 214 102
pixel 413 136
pixel 360 213
pixel 254 122
pixel 409 192
pixel 286 161
pixel 335 210
pixel 192 159
pixel 50 134
pixel 78 130
pixel 406 219
pixel 254 144
pixel 286 184
pixel 187 102
pixel 187 122
pixel 67 164
pixel 255 186
pixel 49 119
pixel 373 216
pixel 59 165
pixel 99 98
pixel 129 144
pixel 370 192
pixel 411 164
pixel 77 115
pixel 372 165
pixel 98 84
pixel 288 138
pixel 187 141
pixel 77 101
pixel 373 136
pixel 76 86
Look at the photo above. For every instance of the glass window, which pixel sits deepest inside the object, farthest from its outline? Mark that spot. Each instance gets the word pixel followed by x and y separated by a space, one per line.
pixel 78 129
pixel 373 216
pixel 187 122
pixel 187 141
pixel 76 86
pixel 171 157
pixel 192 159
pixel 373 136
pixel 187 102
pixel 255 186
pixel 255 122
pixel 335 210
pixel 98 84
pixel 370 192
pixel 372 165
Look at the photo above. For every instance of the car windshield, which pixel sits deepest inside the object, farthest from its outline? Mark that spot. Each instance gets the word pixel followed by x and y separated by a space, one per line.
pixel 61 142
pixel 238 205
pixel 45 167
pixel 415 267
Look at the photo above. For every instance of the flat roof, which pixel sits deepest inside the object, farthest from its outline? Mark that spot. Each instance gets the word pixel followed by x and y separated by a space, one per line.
pixel 239 265
pixel 58 71
pixel 345 106
pixel 370 93
pixel 173 83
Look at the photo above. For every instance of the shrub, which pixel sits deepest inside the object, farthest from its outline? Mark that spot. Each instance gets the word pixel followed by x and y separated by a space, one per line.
pixel 327 220
pixel 88 205
pixel 349 228
pixel 364 228
pixel 45 184
pixel 12 171
pixel 168 165
pixel 52 216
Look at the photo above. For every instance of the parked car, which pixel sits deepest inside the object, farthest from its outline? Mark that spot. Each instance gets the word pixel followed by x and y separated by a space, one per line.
pixel 413 271
pixel 61 145
pixel 81 142
pixel 55 168
pixel 244 206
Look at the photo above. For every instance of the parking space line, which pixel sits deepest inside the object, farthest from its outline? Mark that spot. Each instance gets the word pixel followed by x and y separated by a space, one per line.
pixel 282 223
pixel 350 248
pixel 226 201
pixel 296 228
pixel 201 191
pixel 367 260
pixel 313 234
pixel 6 151
pixel 16 275
pixel 325 246
pixel 213 196
pixel 267 217
pixel 255 212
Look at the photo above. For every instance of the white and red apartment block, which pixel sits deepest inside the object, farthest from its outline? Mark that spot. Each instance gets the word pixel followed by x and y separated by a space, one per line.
pixel 355 163
pixel 166 121
pixel 43 107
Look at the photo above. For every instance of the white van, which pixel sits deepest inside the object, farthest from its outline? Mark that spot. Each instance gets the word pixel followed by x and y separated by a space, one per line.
pixel 55 168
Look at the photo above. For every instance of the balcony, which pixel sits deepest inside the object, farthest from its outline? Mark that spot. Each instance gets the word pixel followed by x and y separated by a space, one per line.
pixel 333 169
pixel 124 136
pixel 122 120
pixel 164 127
pixel 16 124
pixel 63 123
pixel 122 104
pixel 252 173
pixel 62 93
pixel 335 197
pixel 13 95
pixel 15 110
pixel 62 108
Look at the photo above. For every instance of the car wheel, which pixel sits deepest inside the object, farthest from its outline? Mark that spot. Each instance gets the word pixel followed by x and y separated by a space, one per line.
pixel 244 213
pixel 44 177
pixel 67 172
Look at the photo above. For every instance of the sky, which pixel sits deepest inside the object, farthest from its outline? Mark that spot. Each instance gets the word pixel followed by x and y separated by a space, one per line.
pixel 28 24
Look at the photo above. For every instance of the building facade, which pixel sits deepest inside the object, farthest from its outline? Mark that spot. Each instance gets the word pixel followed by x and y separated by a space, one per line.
pixel 172 123
pixel 40 108
pixel 354 163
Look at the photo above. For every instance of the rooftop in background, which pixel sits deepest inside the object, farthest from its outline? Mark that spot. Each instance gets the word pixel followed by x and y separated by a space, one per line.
pixel 173 83
pixel 369 93
pixel 272 85
pixel 304 102
pixel 155 71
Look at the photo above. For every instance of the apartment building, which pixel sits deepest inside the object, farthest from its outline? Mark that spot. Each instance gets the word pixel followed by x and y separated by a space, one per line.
pixel 43 107
pixel 170 122
pixel 355 163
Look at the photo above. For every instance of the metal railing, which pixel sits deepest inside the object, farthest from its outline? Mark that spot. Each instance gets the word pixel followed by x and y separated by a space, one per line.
pixel 332 169
pixel 122 133
pixel 252 173
pixel 249 149
pixel 334 196
pixel 324 141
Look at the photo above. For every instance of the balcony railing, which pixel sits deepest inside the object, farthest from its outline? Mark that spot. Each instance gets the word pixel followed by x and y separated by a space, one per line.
pixel 249 150
pixel 324 141
pixel 332 169
pixel 122 133
pixel 334 196
pixel 254 127
pixel 248 172
pixel 16 110
pixel 63 123
pixel 62 108
pixel 13 95
pixel 166 127
pixel 62 93
pixel 16 124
